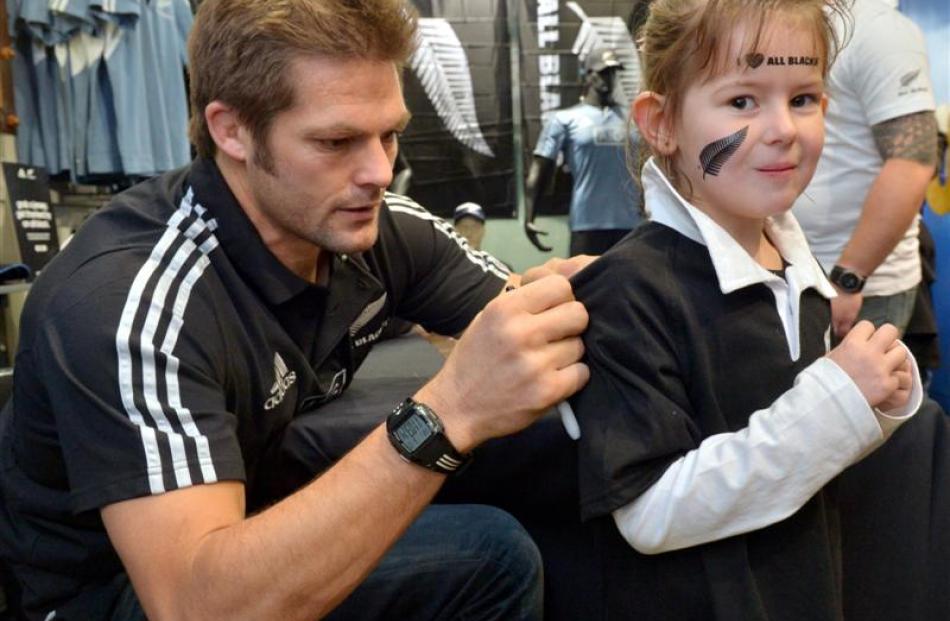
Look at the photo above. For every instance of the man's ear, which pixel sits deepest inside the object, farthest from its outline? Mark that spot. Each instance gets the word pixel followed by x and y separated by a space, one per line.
pixel 649 111
pixel 227 131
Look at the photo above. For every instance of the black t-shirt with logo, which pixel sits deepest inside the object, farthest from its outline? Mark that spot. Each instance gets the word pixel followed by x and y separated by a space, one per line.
pixel 167 347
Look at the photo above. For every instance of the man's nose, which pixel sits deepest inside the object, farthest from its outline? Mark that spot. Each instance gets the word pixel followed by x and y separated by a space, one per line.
pixel 375 166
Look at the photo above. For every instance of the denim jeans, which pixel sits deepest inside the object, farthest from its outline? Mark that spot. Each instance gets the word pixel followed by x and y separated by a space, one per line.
pixel 456 562
pixel 895 309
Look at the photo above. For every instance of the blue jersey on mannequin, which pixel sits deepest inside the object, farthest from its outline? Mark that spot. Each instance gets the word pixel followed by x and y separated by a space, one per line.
pixel 593 139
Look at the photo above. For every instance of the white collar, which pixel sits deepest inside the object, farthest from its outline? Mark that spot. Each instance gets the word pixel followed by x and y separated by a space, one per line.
pixel 734 267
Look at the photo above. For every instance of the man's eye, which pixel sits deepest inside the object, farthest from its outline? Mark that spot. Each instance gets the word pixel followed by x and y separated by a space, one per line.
pixel 332 144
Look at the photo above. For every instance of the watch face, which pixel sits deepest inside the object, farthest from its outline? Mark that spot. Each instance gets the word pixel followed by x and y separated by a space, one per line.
pixel 413 432
pixel 849 281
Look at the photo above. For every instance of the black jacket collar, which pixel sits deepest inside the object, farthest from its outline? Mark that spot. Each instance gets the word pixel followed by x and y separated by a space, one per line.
pixel 240 240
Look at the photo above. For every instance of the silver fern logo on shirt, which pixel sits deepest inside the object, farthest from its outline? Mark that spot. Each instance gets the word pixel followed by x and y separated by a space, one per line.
pixel 367 315
pixel 909 77
pixel 284 378
pixel 910 84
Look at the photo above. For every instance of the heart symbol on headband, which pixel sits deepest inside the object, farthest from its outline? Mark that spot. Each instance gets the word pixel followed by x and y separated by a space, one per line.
pixel 754 60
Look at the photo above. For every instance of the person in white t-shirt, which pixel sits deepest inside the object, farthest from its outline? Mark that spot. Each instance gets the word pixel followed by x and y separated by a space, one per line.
pixel 860 212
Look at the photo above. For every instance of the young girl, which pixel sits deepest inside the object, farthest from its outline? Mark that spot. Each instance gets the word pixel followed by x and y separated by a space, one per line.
pixel 714 420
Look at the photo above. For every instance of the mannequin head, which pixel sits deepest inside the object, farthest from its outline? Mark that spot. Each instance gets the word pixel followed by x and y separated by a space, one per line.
pixel 601 69
pixel 469 221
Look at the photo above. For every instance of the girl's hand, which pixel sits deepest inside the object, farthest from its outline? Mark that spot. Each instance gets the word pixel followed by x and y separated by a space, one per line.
pixel 872 358
pixel 900 397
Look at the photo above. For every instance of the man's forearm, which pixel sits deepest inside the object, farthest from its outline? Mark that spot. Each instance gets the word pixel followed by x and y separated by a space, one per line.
pixel 303 556
pixel 889 209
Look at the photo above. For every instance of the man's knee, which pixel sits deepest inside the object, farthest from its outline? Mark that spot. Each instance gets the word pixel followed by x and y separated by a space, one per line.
pixel 472 562
pixel 506 543
pixel 492 543
pixel 508 577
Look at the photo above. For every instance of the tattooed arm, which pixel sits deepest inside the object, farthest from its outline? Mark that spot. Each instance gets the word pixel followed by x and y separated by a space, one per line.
pixel 908 146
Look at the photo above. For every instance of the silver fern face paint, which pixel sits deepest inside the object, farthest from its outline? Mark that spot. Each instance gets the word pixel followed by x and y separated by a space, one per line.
pixel 715 154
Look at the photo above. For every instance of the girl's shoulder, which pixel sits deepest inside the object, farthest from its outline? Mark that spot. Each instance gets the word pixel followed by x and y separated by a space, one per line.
pixel 653 255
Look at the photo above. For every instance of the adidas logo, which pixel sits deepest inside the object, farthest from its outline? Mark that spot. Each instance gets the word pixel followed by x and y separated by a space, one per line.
pixel 284 378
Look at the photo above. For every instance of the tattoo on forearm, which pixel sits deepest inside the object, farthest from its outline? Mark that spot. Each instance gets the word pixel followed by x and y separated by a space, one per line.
pixel 911 137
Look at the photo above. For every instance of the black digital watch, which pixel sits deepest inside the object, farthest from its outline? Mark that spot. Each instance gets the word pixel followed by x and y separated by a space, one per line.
pixel 417 434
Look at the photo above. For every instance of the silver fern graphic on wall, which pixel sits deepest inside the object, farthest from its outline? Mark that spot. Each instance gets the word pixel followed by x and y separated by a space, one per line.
pixel 609 32
pixel 442 68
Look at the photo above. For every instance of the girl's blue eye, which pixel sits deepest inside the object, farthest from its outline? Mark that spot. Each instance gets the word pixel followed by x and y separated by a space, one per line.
pixel 801 101
pixel 741 103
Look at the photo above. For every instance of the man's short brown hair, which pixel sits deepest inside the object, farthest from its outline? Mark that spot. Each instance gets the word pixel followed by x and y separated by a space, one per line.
pixel 240 50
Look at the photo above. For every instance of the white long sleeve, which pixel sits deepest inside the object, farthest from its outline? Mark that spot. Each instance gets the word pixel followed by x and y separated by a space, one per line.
pixel 739 482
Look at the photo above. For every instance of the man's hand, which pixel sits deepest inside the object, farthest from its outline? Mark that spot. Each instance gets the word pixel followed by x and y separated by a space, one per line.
pixel 559 267
pixel 874 359
pixel 533 232
pixel 519 357
pixel 844 312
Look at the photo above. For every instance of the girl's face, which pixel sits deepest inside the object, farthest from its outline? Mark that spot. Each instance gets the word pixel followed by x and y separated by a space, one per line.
pixel 749 138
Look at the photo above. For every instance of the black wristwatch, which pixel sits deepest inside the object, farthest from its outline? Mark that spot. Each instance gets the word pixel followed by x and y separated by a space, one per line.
pixel 846 280
pixel 417 433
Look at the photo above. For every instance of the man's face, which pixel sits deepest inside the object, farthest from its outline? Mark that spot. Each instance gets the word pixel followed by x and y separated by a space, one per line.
pixel 332 155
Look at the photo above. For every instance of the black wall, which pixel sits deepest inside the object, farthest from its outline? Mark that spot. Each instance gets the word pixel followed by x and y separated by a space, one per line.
pixel 444 171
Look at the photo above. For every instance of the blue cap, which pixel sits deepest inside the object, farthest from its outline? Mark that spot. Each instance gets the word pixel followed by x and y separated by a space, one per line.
pixel 469 210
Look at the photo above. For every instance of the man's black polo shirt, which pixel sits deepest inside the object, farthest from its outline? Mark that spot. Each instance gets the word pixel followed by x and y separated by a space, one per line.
pixel 167 347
